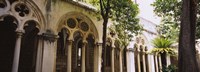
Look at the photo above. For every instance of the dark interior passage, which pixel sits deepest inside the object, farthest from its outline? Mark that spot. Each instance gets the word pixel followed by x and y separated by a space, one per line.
pixel 29 45
pixel 61 55
pixel 7 43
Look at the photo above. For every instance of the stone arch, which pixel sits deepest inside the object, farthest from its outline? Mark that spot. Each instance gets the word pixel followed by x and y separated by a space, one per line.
pixel 109 41
pixel 32 21
pixel 8 15
pixel 117 52
pixel 29 47
pixel 77 51
pixel 62 50
pixel 7 42
pixel 29 7
pixel 118 44
pixel 78 16
pixel 90 53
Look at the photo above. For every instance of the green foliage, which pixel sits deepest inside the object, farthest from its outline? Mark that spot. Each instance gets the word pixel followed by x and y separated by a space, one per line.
pixel 162 45
pixel 170 11
pixel 170 68
pixel 123 15
pixel 169 51
pixel 162 42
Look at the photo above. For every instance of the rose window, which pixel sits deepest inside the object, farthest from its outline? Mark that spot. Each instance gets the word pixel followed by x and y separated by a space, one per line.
pixel 84 26
pixel 71 23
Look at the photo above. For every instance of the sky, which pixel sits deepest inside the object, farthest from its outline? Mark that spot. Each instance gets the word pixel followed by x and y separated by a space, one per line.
pixel 146 11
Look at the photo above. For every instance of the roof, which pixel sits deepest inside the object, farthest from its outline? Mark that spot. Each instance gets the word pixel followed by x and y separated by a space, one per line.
pixel 83 5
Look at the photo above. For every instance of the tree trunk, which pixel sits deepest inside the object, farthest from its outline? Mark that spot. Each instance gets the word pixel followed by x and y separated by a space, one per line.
pixel 163 59
pixel 104 45
pixel 187 61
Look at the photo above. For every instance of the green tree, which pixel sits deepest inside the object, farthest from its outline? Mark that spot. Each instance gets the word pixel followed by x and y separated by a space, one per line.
pixel 122 12
pixel 171 11
pixel 125 22
pixel 162 47
pixel 187 61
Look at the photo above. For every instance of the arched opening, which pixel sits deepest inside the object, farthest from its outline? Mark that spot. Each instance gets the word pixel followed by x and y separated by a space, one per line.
pixel 117 59
pixel 124 60
pixel 136 55
pixel 29 45
pixel 90 54
pixel 77 52
pixel 61 56
pixel 146 60
pixel 7 42
pixel 108 57
pixel 141 59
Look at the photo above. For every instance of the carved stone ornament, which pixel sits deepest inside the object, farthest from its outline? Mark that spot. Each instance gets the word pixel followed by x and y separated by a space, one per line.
pixel 71 23
pixel 22 10
pixel 84 26
pixel 50 36
pixel 2 4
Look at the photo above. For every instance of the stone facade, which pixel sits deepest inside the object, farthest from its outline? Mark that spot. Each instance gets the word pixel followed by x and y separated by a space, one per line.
pixel 63 36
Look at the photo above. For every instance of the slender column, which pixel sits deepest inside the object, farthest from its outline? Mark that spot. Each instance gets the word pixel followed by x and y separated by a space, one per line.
pixel 144 61
pixel 99 45
pixel 96 58
pixel 120 61
pixel 49 52
pixel 69 57
pixel 138 59
pixel 83 57
pixel 17 52
pixel 39 55
pixel 112 60
pixel 156 62
pixel 168 60
pixel 160 63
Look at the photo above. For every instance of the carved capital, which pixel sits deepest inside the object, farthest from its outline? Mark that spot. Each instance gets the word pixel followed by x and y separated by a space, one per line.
pixel 70 42
pixel 19 33
pixel 50 37
pixel 130 50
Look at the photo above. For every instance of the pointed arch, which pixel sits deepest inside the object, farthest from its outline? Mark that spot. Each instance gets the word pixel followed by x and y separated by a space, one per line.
pixel 7 42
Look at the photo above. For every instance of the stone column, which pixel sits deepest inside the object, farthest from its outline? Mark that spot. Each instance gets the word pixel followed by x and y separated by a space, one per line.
pixel 168 60
pixel 156 62
pixel 120 60
pixel 17 52
pixel 49 52
pixel 99 59
pixel 143 59
pixel 96 58
pixel 138 59
pixel 112 60
pixel 69 57
pixel 39 55
pixel 160 63
pixel 83 56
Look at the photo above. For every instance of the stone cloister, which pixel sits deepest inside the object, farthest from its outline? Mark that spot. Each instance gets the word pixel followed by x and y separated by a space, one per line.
pixel 64 36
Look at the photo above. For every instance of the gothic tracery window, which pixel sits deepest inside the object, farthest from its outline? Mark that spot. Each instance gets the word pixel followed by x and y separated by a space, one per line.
pixel 29 46
pixel 141 57
pixel 8 26
pixel 90 54
pixel 124 60
pixel 108 57
pixel 61 58
pixel 77 52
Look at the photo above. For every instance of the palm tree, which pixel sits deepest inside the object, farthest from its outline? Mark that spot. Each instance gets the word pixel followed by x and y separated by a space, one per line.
pixel 162 47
